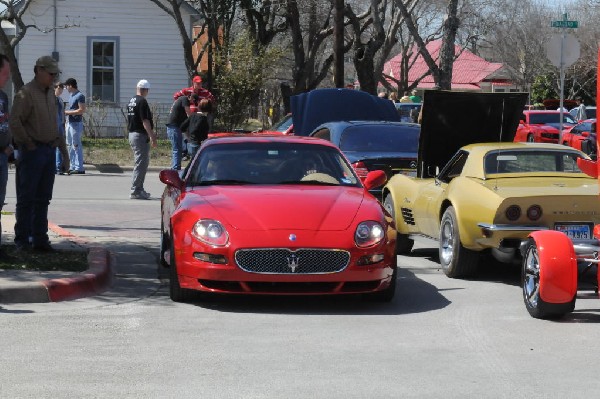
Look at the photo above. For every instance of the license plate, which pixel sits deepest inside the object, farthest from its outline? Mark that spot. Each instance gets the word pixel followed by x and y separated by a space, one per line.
pixel 575 231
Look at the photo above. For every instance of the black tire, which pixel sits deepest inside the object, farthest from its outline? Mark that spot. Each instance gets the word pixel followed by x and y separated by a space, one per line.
pixel 456 260
pixel 164 240
pixel 403 244
pixel 531 283
pixel 387 294
pixel 177 293
pixel 530 138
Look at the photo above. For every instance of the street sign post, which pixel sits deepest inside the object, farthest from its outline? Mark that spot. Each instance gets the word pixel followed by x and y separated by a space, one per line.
pixel 563 51
pixel 565 24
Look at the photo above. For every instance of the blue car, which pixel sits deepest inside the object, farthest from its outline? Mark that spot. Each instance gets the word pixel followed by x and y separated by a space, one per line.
pixel 375 145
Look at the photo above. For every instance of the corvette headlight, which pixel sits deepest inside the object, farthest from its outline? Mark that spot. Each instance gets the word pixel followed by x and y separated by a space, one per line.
pixel 210 232
pixel 368 233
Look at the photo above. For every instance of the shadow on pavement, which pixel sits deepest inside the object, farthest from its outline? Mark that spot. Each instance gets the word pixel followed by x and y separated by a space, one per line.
pixel 413 295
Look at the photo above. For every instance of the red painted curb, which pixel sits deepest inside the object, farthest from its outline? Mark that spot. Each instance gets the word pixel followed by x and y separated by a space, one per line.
pixel 93 281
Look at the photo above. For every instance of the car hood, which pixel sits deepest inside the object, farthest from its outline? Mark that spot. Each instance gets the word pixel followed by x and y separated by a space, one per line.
pixel 451 120
pixel 284 207
pixel 355 156
pixel 319 106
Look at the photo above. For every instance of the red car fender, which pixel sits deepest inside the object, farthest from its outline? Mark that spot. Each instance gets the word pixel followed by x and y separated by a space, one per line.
pixel 558 266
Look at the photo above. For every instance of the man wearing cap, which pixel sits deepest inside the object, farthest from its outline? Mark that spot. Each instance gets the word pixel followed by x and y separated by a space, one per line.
pixel 141 133
pixel 35 132
pixel 202 94
pixel 74 113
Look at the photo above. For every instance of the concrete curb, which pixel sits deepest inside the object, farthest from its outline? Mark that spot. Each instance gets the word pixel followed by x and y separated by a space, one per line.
pixel 95 280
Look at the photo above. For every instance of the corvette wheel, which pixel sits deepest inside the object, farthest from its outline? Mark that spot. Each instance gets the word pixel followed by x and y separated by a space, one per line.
pixel 533 268
pixel 177 293
pixel 456 260
pixel 530 138
pixel 403 244
pixel 387 294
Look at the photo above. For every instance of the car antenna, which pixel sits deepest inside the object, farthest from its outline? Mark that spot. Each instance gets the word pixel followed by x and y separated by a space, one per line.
pixel 500 140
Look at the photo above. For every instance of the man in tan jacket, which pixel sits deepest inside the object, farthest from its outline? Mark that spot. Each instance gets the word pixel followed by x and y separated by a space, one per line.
pixel 34 128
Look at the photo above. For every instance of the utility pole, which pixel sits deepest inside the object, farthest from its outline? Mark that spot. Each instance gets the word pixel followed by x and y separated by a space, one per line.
pixel 338 44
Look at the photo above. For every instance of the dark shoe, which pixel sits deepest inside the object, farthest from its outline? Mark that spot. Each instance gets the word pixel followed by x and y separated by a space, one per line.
pixel 22 247
pixel 4 257
pixel 77 172
pixel 45 247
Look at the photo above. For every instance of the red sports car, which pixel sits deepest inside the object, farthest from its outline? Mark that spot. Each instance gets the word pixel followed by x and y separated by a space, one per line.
pixel 581 136
pixel 258 214
pixel 541 126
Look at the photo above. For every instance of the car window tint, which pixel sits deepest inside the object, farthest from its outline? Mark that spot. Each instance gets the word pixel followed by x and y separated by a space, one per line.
pixel 283 125
pixel 268 163
pixel 531 161
pixel 380 138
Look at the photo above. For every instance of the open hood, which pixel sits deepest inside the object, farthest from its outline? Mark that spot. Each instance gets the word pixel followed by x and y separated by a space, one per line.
pixel 318 106
pixel 453 119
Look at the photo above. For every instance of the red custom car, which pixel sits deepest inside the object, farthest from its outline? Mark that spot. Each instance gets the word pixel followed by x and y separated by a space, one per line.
pixel 541 126
pixel 581 136
pixel 260 214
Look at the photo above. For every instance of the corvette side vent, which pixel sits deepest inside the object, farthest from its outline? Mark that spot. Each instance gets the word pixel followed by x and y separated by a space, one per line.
pixel 407 215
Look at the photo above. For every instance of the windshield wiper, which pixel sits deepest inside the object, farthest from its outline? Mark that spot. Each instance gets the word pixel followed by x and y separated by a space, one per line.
pixel 230 182
pixel 309 182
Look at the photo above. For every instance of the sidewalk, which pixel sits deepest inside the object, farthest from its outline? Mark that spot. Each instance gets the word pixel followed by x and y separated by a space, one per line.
pixel 26 286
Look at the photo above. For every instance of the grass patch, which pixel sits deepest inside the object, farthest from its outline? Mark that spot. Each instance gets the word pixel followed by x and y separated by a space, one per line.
pixel 60 260
pixel 116 151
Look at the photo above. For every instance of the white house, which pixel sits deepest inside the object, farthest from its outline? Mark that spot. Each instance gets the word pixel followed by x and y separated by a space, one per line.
pixel 107 46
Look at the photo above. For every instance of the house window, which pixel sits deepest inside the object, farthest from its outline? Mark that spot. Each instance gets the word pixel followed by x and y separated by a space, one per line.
pixel 103 65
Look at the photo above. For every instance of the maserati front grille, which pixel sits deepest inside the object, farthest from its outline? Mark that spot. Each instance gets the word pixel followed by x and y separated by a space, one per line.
pixel 286 261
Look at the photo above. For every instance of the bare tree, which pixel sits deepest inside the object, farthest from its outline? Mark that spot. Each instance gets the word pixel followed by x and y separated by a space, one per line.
pixel 373 38
pixel 15 13
pixel 214 19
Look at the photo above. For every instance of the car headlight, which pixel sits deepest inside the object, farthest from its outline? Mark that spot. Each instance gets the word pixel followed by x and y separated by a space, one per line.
pixel 210 232
pixel 368 233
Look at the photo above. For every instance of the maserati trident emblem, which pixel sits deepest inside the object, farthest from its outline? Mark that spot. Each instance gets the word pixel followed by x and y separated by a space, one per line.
pixel 292 262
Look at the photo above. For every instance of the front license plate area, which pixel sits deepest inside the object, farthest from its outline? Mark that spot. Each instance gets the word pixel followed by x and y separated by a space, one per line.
pixel 575 231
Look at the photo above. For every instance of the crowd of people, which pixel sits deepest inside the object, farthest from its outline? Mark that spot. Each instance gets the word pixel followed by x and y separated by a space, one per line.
pixel 43 135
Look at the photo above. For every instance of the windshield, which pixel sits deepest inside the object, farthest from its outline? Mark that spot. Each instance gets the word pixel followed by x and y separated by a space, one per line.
pixel 544 118
pixel 283 125
pixel 381 139
pixel 271 163
pixel 527 161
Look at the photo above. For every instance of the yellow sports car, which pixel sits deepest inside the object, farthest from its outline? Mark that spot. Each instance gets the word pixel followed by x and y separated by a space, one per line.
pixel 490 196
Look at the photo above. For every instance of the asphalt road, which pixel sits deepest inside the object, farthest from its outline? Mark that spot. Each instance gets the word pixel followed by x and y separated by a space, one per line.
pixel 439 337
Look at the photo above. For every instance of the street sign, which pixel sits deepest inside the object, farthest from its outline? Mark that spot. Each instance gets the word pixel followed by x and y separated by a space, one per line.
pixel 563 49
pixel 565 24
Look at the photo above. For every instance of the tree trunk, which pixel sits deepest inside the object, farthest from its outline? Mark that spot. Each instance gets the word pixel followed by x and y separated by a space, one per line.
pixel 447 49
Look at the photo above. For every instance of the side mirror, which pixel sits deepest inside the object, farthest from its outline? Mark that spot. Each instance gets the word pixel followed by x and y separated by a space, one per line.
pixel 585 134
pixel 171 178
pixel 374 179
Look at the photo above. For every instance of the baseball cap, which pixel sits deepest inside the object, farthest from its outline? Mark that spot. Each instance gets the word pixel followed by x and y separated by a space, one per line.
pixel 143 84
pixel 197 79
pixel 48 63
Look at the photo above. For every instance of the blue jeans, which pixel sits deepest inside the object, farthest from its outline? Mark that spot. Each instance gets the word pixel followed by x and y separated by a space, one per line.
pixel 35 181
pixel 192 148
pixel 59 156
pixel 74 133
pixel 140 144
pixel 176 138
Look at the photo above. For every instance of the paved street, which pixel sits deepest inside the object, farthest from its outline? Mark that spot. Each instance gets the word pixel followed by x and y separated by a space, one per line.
pixel 438 338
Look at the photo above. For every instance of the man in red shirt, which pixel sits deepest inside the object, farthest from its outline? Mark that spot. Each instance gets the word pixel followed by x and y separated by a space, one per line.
pixel 196 88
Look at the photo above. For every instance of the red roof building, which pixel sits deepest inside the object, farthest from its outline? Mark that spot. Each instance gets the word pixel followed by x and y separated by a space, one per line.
pixel 470 72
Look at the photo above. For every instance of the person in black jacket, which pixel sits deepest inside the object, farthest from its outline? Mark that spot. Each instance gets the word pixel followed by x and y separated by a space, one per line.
pixel 196 126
